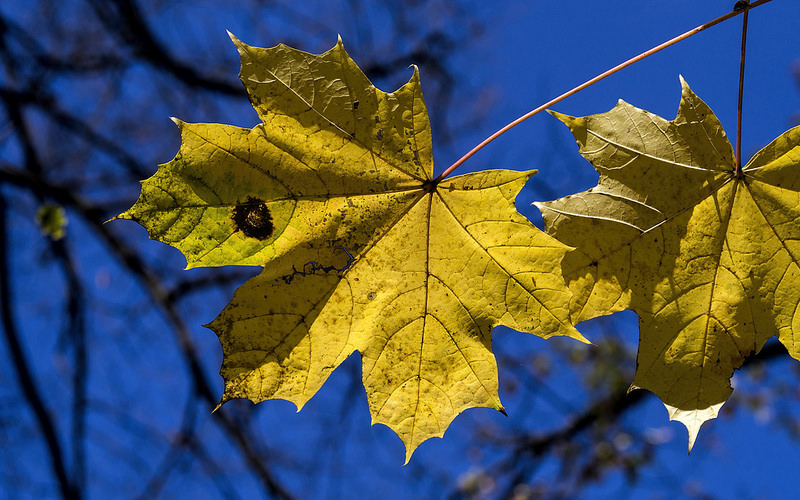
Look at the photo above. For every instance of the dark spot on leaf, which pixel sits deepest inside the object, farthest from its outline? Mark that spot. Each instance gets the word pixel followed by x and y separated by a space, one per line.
pixel 355 104
pixel 253 219
pixel 379 135
pixel 372 295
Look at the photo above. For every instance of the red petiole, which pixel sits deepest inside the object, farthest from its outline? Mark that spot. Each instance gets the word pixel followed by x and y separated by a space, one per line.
pixel 610 72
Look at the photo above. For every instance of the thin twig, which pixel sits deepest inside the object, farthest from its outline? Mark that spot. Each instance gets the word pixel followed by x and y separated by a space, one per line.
pixel 591 82
pixel 178 448
pixel 741 96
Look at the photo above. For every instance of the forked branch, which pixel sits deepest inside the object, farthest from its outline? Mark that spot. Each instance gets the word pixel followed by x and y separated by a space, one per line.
pixel 599 77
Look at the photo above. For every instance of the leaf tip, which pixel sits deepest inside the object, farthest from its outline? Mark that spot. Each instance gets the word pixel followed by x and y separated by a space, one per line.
pixel 570 121
pixel 686 92
pixel 693 419
pixel 339 48
pixel 223 399
pixel 241 47
pixel 685 89
pixel 560 116
pixel 234 39
pixel 570 331
pixel 117 217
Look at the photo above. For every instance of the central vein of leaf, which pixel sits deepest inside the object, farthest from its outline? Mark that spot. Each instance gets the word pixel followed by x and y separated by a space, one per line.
pixel 425 308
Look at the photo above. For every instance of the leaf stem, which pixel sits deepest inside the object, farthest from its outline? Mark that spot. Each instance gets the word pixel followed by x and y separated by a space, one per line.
pixel 741 96
pixel 594 80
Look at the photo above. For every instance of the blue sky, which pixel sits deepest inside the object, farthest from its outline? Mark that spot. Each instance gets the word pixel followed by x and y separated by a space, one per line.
pixel 527 52
pixel 532 51
pixel 541 49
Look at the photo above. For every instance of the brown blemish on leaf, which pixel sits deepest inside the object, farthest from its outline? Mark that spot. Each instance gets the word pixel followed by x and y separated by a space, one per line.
pixel 253 219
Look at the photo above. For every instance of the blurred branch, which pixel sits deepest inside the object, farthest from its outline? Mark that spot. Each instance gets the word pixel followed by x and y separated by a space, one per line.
pixel 610 408
pixel 124 19
pixel 63 64
pixel 15 100
pixel 76 333
pixel 45 62
pixel 25 376
pixel 178 447
pixel 159 295
pixel 522 454
pixel 185 287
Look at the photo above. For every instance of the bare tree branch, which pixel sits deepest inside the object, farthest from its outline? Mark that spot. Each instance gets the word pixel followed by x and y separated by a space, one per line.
pixel 131 261
pixel 25 375
pixel 124 19
pixel 76 333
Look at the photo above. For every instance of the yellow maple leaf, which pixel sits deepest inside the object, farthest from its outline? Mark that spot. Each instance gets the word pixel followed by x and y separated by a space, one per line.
pixel 706 256
pixel 362 251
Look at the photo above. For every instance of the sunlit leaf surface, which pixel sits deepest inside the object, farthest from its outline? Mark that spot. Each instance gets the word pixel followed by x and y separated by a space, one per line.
pixel 332 194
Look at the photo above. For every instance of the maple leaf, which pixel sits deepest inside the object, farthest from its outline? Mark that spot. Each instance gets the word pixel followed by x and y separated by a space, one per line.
pixel 362 251
pixel 707 258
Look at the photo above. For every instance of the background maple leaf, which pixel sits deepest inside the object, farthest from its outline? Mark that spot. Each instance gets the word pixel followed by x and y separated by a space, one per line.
pixel 705 257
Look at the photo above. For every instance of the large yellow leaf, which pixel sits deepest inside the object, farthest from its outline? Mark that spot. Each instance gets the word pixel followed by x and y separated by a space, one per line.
pixel 706 257
pixel 362 251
